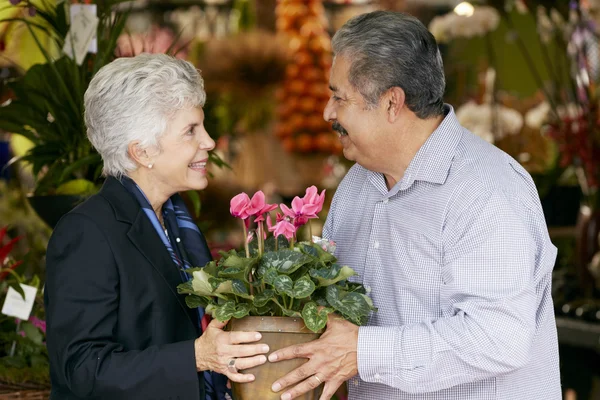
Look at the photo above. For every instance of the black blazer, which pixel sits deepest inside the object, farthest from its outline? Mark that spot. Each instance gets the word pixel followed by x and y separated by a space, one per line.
pixel 116 327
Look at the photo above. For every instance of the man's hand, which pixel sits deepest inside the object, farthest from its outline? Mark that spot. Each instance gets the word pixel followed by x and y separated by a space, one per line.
pixel 332 360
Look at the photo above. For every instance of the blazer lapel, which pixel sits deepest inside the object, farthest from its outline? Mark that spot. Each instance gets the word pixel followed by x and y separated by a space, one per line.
pixel 143 236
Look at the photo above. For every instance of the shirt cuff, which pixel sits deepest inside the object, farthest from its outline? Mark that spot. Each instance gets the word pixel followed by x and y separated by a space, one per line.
pixel 376 353
pixel 415 346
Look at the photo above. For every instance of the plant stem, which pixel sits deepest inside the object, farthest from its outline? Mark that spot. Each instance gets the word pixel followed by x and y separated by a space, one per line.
pixel 247 255
pixel 276 243
pixel 261 244
pixel 246 239
pixel 310 238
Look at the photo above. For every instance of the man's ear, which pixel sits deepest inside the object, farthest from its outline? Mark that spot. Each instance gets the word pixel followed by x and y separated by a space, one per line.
pixel 394 102
pixel 139 154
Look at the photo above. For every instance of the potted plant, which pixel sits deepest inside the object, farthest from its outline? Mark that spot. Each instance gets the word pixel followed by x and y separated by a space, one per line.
pixel 280 287
pixel 47 107
pixel 23 356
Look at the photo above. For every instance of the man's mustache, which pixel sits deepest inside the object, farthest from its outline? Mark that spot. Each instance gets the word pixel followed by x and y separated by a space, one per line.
pixel 339 128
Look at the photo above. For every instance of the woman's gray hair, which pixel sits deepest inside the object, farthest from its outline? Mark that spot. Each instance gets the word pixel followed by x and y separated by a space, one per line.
pixel 133 99
pixel 390 49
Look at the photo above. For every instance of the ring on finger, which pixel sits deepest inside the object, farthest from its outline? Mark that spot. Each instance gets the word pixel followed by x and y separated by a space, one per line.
pixel 318 379
pixel 231 366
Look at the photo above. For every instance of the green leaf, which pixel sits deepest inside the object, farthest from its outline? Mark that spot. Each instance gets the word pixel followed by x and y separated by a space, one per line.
pixel 221 285
pixel 314 319
pixel 267 309
pixel 185 288
pixel 240 289
pixel 241 310
pixel 284 284
pixel 224 312
pixel 269 276
pixel 303 287
pixel 316 251
pixel 194 301
pixel 16 286
pixel 331 275
pixel 32 332
pixel 353 306
pixel 284 261
pixel 291 313
pixel 229 309
pixel 300 289
pixel 261 299
pixel 202 286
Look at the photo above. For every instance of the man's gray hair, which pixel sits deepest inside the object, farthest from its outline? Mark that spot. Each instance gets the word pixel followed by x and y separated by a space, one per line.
pixel 388 49
pixel 133 99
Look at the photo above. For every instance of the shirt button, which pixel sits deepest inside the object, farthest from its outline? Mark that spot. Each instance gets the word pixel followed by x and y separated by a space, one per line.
pixel 178 240
pixel 386 200
pixel 377 377
pixel 376 244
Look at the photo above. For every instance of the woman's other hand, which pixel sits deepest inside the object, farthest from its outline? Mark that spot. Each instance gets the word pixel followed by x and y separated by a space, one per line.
pixel 216 349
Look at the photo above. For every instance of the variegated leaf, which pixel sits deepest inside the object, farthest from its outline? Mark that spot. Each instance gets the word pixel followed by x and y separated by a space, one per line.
pixel 331 275
pixel 303 287
pixel 284 261
pixel 284 284
pixel 263 298
pixel 314 319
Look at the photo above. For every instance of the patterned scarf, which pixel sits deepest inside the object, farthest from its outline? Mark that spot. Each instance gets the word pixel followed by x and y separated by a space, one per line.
pixel 190 249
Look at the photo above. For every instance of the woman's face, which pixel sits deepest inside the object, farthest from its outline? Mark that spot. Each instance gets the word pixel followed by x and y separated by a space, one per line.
pixel 181 165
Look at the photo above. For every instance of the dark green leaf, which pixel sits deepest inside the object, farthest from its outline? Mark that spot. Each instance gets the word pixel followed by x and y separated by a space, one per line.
pixel 314 319
pixel 284 284
pixel 284 261
pixel 329 276
pixel 353 306
pixel 194 301
pixel 261 299
pixel 241 310
pixel 303 287
pixel 239 288
pixel 224 312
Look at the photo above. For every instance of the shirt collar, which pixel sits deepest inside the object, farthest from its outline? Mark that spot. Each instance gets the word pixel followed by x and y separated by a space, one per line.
pixel 433 160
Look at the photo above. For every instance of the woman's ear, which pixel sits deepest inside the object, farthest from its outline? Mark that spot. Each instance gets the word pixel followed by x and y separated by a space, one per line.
pixel 139 154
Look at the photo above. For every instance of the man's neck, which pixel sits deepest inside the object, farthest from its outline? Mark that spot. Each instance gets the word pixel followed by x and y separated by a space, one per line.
pixel 408 143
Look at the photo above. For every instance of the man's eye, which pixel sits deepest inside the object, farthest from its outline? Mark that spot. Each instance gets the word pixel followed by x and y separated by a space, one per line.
pixel 335 98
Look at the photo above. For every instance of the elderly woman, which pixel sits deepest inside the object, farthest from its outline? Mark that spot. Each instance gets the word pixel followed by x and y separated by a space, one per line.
pixel 117 328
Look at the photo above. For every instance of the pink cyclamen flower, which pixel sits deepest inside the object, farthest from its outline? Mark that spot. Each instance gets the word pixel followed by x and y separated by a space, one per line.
pixel 239 205
pixel 300 212
pixel 311 197
pixel 270 225
pixel 285 228
pixel 256 204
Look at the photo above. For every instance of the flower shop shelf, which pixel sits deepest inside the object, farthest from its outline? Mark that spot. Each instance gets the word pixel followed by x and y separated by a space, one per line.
pixel 578 333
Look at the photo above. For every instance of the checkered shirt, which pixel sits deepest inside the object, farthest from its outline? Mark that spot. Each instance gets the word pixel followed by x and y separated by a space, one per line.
pixel 458 261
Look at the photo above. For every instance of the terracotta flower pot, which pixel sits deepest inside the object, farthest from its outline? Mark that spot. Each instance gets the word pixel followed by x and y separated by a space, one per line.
pixel 277 332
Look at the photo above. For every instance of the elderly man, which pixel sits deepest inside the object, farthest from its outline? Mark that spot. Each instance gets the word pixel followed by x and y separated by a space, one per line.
pixel 446 230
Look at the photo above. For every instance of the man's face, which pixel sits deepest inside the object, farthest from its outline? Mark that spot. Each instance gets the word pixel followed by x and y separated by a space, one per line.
pixel 359 128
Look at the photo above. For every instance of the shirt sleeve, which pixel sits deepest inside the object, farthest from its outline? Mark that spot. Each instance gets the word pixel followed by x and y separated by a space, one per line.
pixel 488 299
pixel 82 305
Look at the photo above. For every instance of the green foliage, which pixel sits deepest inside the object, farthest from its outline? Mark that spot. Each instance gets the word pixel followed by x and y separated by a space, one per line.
pixel 288 282
pixel 47 108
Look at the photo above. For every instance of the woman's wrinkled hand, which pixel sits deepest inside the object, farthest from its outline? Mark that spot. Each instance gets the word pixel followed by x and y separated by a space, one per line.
pixel 216 349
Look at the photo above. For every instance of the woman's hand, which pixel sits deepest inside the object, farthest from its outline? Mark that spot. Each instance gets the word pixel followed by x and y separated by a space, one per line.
pixel 216 349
